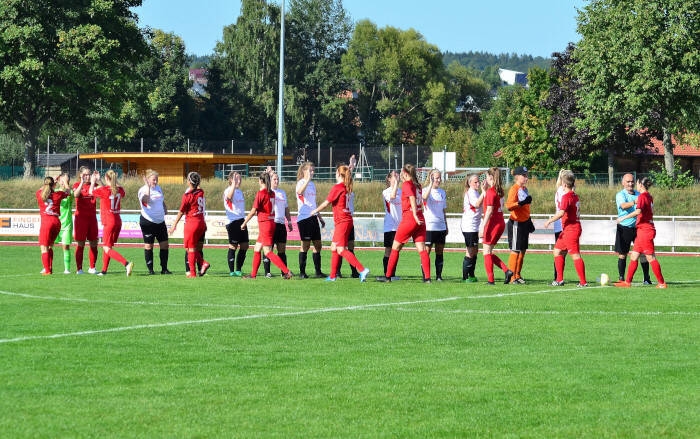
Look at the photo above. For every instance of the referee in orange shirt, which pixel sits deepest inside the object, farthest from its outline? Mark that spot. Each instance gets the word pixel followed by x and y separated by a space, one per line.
pixel 519 225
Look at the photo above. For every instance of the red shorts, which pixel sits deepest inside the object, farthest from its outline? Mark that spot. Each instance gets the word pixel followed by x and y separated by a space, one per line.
pixel 85 227
pixel 493 232
pixel 644 242
pixel 49 230
pixel 569 239
pixel 194 230
pixel 266 233
pixel 341 234
pixel 110 231
pixel 408 229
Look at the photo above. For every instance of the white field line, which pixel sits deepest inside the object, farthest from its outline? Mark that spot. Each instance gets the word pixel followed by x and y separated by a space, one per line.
pixel 295 313
pixel 555 313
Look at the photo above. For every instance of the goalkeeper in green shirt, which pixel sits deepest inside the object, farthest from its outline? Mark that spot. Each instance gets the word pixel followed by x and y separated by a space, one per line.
pixel 65 236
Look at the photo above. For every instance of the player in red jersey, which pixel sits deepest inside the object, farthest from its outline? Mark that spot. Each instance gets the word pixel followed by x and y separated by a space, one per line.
pixel 111 195
pixel 494 225
pixel 568 240
pixel 342 217
pixel 193 207
pixel 412 225
pixel 263 206
pixel 646 232
pixel 85 223
pixel 49 202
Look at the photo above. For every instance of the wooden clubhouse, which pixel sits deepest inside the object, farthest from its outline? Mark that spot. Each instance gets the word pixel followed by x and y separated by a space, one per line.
pixel 173 167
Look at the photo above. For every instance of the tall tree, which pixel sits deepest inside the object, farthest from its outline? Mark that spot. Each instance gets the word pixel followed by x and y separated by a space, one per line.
pixel 246 71
pixel 638 65
pixel 61 60
pixel 394 72
pixel 318 34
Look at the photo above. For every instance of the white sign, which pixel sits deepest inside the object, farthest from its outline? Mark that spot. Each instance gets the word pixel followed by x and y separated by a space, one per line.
pixel 442 160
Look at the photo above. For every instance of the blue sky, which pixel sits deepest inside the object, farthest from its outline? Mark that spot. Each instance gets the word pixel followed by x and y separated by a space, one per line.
pixel 537 27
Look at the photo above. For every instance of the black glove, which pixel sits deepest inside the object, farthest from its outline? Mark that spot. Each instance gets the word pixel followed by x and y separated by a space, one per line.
pixel 527 200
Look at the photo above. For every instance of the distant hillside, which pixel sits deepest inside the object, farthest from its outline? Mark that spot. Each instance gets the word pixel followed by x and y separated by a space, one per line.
pixel 482 61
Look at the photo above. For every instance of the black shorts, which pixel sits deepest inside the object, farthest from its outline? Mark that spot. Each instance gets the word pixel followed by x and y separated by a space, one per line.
pixel 624 237
pixel 351 236
pixel 153 231
pixel 235 234
pixel 389 239
pixel 435 237
pixel 471 239
pixel 518 235
pixel 309 229
pixel 280 236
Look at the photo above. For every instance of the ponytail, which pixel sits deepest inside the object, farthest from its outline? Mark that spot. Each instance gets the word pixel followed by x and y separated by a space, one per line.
pixel 411 170
pixel 265 178
pixel 346 175
pixel 111 178
pixel 47 188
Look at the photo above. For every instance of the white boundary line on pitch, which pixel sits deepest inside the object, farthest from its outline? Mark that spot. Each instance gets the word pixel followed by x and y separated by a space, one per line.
pixel 260 316
pixel 556 313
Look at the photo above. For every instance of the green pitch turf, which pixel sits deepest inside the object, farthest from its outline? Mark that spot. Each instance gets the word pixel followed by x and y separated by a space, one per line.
pixel 166 356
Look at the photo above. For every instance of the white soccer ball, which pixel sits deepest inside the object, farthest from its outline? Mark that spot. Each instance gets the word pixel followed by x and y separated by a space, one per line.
pixel 604 279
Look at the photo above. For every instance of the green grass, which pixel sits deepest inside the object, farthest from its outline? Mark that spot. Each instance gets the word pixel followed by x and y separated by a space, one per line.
pixel 164 356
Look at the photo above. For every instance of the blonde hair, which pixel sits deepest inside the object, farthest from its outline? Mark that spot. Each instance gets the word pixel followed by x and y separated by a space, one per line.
pixel 469 179
pixel 303 167
pixel 429 177
pixel 561 174
pixel 47 188
pixel 150 173
pixel 111 179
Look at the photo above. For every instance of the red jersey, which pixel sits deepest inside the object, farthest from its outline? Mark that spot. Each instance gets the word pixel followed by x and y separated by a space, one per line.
pixel 110 204
pixel 338 197
pixel 570 205
pixel 264 204
pixel 492 199
pixel 409 189
pixel 85 203
pixel 52 205
pixel 193 205
pixel 645 203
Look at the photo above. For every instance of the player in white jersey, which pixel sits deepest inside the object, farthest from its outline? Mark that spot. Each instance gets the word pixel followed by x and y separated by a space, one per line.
pixel 472 212
pixel 434 210
pixel 308 225
pixel 234 204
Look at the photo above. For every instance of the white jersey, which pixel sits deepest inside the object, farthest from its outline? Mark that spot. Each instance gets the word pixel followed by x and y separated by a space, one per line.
pixel 471 215
pixel 306 202
pixel 434 209
pixel 280 205
pixel 235 207
pixel 557 206
pixel 392 210
pixel 154 210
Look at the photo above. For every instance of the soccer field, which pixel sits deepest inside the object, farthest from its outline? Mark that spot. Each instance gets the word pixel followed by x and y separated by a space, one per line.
pixel 166 356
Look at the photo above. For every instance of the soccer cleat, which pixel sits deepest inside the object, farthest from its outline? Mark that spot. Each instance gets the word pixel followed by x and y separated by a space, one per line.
pixel 662 286
pixel 80 272
pixel 205 267
pixel 129 268
pixel 66 271
pixel 622 284
pixel 46 273
pixel 339 275
pixel 647 282
pixel 165 271
pixel 557 283
pixel 320 275
pixel 426 280
pixel 247 276
pixel 331 279
pixel 303 276
pixel 236 273
pixel 518 281
pixel 355 275
pixel 190 275
pixel 490 283
pixel 43 270
pixel 151 273
pixel 438 279
pixel 383 279
pixel 288 275
pixel 92 271
pixel 268 275
pixel 509 276
pixel 472 279
pixel 101 273
pixel 363 274
pixel 580 285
